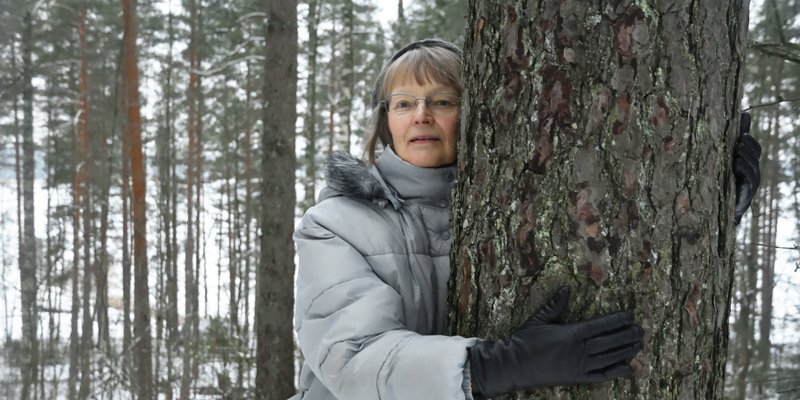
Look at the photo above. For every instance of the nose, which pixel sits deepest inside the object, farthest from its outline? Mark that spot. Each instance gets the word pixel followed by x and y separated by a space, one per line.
pixel 422 114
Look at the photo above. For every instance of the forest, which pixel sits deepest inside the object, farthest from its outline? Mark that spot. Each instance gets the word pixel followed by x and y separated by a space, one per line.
pixel 156 157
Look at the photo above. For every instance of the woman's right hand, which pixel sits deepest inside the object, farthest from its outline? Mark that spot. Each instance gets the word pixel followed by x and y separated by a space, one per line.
pixel 545 353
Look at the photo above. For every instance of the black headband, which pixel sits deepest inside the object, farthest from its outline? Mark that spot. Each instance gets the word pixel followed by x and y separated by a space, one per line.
pixel 416 45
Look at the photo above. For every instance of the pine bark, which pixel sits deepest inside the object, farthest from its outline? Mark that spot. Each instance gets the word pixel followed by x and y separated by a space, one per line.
pixel 274 294
pixel 141 348
pixel 596 152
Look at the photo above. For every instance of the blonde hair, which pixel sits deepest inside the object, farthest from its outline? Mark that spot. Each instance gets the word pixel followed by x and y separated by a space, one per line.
pixel 431 61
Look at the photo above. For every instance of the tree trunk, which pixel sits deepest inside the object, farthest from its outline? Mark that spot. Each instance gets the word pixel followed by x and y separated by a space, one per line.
pixel 310 124
pixel 166 165
pixel 348 75
pixel 596 153
pixel 771 179
pixel 744 325
pixel 27 264
pixel 127 340
pixel 189 275
pixel 74 348
pixel 248 215
pixel 333 89
pixel 84 191
pixel 274 293
pixel 141 327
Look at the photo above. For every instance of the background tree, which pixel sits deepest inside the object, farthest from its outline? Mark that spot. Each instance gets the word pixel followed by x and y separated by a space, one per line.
pixel 274 295
pixel 596 153
pixel 141 329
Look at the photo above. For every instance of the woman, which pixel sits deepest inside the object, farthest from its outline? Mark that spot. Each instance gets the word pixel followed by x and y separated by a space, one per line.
pixel 373 267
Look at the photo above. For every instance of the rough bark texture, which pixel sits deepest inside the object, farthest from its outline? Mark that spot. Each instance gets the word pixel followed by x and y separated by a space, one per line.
pixel 142 375
pixel 274 294
pixel 596 153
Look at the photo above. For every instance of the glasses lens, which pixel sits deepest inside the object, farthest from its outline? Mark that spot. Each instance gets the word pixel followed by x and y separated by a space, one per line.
pixel 442 102
pixel 401 103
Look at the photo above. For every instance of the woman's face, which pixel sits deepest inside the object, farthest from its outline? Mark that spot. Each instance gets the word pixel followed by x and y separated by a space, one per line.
pixel 424 134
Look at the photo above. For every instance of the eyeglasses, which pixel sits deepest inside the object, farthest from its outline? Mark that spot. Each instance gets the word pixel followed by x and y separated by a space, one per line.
pixel 438 103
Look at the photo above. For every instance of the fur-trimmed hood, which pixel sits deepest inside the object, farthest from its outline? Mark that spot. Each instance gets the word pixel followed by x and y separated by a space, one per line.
pixel 390 180
pixel 349 176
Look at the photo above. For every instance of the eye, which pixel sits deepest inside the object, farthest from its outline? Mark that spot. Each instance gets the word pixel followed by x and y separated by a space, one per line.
pixel 443 101
pixel 402 104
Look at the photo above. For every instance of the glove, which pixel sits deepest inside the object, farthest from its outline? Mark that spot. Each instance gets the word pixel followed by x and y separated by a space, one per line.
pixel 544 353
pixel 745 168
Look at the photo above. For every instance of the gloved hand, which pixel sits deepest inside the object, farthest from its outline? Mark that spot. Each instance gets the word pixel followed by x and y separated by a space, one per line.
pixel 545 353
pixel 745 168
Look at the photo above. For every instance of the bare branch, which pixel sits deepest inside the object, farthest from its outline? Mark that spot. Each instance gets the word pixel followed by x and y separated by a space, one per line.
pixel 779 101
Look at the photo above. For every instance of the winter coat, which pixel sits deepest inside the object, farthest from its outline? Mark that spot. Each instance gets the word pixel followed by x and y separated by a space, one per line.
pixel 372 283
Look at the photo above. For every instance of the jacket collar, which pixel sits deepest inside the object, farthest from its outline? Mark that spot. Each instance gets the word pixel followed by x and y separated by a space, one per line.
pixel 390 179
pixel 428 186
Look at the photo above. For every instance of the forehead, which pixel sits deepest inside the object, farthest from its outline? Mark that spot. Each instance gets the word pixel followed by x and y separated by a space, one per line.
pixel 411 86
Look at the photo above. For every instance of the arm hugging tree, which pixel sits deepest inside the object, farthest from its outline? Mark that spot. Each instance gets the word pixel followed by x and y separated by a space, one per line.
pixel 596 151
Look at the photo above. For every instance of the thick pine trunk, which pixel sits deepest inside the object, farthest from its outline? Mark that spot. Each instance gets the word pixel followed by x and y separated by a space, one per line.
pixel 141 349
pixel 274 293
pixel 596 153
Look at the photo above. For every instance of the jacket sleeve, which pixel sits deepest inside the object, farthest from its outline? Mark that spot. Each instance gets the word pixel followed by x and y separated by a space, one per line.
pixel 350 327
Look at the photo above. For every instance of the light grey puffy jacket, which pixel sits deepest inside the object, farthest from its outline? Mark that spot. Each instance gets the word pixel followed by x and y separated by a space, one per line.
pixel 372 282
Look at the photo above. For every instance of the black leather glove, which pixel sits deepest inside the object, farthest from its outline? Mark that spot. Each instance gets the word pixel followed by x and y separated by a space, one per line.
pixel 745 168
pixel 545 353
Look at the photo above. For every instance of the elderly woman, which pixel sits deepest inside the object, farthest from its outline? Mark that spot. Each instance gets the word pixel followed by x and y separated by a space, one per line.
pixel 373 267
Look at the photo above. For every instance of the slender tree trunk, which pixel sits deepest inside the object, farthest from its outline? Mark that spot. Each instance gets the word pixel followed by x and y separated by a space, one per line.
pixel 333 94
pixel 141 346
pixel 168 189
pixel 74 338
pixel 85 195
pixel 274 294
pixel 348 75
pixel 772 177
pixel 310 124
pixel 189 274
pixel 17 166
pixel 744 325
pixel 199 252
pixel 248 215
pixel 174 244
pixel 102 262
pixel 127 328
pixel 27 265
pixel 596 152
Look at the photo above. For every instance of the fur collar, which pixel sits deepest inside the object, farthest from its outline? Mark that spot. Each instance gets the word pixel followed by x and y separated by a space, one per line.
pixel 349 176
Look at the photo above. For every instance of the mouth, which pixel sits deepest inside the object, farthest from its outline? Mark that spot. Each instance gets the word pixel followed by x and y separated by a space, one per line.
pixel 424 139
